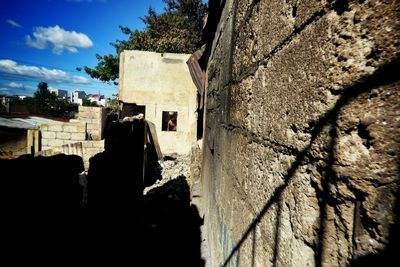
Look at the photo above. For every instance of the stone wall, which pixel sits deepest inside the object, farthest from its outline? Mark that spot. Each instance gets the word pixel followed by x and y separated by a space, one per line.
pixel 301 147
pixel 95 119
pixel 63 133
pixel 78 137
pixel 84 149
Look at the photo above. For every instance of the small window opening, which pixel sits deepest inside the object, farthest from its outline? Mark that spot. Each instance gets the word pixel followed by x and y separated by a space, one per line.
pixel 169 121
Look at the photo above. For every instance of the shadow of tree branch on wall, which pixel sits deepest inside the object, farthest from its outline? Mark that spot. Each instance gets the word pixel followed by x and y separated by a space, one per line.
pixel 385 75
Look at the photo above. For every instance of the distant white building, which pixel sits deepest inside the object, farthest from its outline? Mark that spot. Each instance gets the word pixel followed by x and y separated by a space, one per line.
pixel 77 97
pixel 98 99
pixel 60 93
pixel 5 105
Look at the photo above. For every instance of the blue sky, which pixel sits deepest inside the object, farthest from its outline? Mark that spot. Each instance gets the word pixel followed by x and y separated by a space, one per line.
pixel 45 40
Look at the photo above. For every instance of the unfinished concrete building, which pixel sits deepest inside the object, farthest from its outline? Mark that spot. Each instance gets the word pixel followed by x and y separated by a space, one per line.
pixel 302 124
pixel 159 86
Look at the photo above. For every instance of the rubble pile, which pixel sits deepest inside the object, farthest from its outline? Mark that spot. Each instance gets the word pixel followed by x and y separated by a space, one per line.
pixel 171 168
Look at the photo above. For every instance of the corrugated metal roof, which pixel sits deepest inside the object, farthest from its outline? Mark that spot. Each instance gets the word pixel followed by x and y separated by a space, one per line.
pixel 28 123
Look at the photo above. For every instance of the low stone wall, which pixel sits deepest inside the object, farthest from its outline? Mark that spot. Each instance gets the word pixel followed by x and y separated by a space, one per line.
pixel 84 149
pixel 95 118
pixel 91 148
pixel 59 134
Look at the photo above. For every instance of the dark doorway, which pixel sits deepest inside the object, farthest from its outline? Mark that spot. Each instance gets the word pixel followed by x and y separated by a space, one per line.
pixel 129 110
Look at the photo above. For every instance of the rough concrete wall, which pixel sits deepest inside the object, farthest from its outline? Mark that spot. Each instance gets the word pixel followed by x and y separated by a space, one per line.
pixel 59 134
pixel 95 118
pixel 301 149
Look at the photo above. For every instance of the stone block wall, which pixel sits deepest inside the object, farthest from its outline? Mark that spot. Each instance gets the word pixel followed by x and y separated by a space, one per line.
pixel 59 134
pixel 301 144
pixel 95 119
pixel 91 148
pixel 84 149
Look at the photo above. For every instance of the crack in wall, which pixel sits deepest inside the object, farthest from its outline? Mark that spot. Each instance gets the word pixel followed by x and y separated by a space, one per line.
pixel 275 146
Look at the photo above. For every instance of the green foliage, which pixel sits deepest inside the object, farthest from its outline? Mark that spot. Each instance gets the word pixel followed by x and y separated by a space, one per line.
pixel 176 30
pixel 113 103
pixel 44 101
pixel 87 103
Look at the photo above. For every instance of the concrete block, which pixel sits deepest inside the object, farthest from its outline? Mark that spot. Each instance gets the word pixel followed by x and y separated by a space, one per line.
pixel 90 152
pixel 92 126
pixel 74 127
pixel 55 127
pixel 95 135
pixel 98 144
pixel 270 24
pixel 55 142
pixel 48 135
pixel 87 144
pixel 78 136
pixel 70 128
pixel 64 135
pixel 45 142
pixel 44 127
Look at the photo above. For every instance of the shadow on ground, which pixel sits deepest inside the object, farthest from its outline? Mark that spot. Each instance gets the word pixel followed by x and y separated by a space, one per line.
pixel 164 231
pixel 171 226
pixel 46 224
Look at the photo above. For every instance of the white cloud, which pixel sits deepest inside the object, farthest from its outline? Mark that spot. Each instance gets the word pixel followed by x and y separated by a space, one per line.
pixel 55 75
pixel 59 38
pixel 13 23
pixel 15 85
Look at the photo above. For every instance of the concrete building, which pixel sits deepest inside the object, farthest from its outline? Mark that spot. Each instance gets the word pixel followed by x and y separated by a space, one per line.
pixel 60 93
pixel 5 105
pixel 160 86
pixel 77 97
pixel 98 99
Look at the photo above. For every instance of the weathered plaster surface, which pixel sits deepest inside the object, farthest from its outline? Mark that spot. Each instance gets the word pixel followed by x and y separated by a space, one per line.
pixel 161 82
pixel 301 146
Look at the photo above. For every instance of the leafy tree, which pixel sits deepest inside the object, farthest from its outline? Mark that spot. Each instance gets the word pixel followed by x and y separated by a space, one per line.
pixel 87 103
pixel 176 30
pixel 113 103
pixel 45 102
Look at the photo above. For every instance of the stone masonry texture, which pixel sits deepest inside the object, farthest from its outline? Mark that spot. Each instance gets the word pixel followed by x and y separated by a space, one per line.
pixel 59 134
pixel 95 118
pixel 302 133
